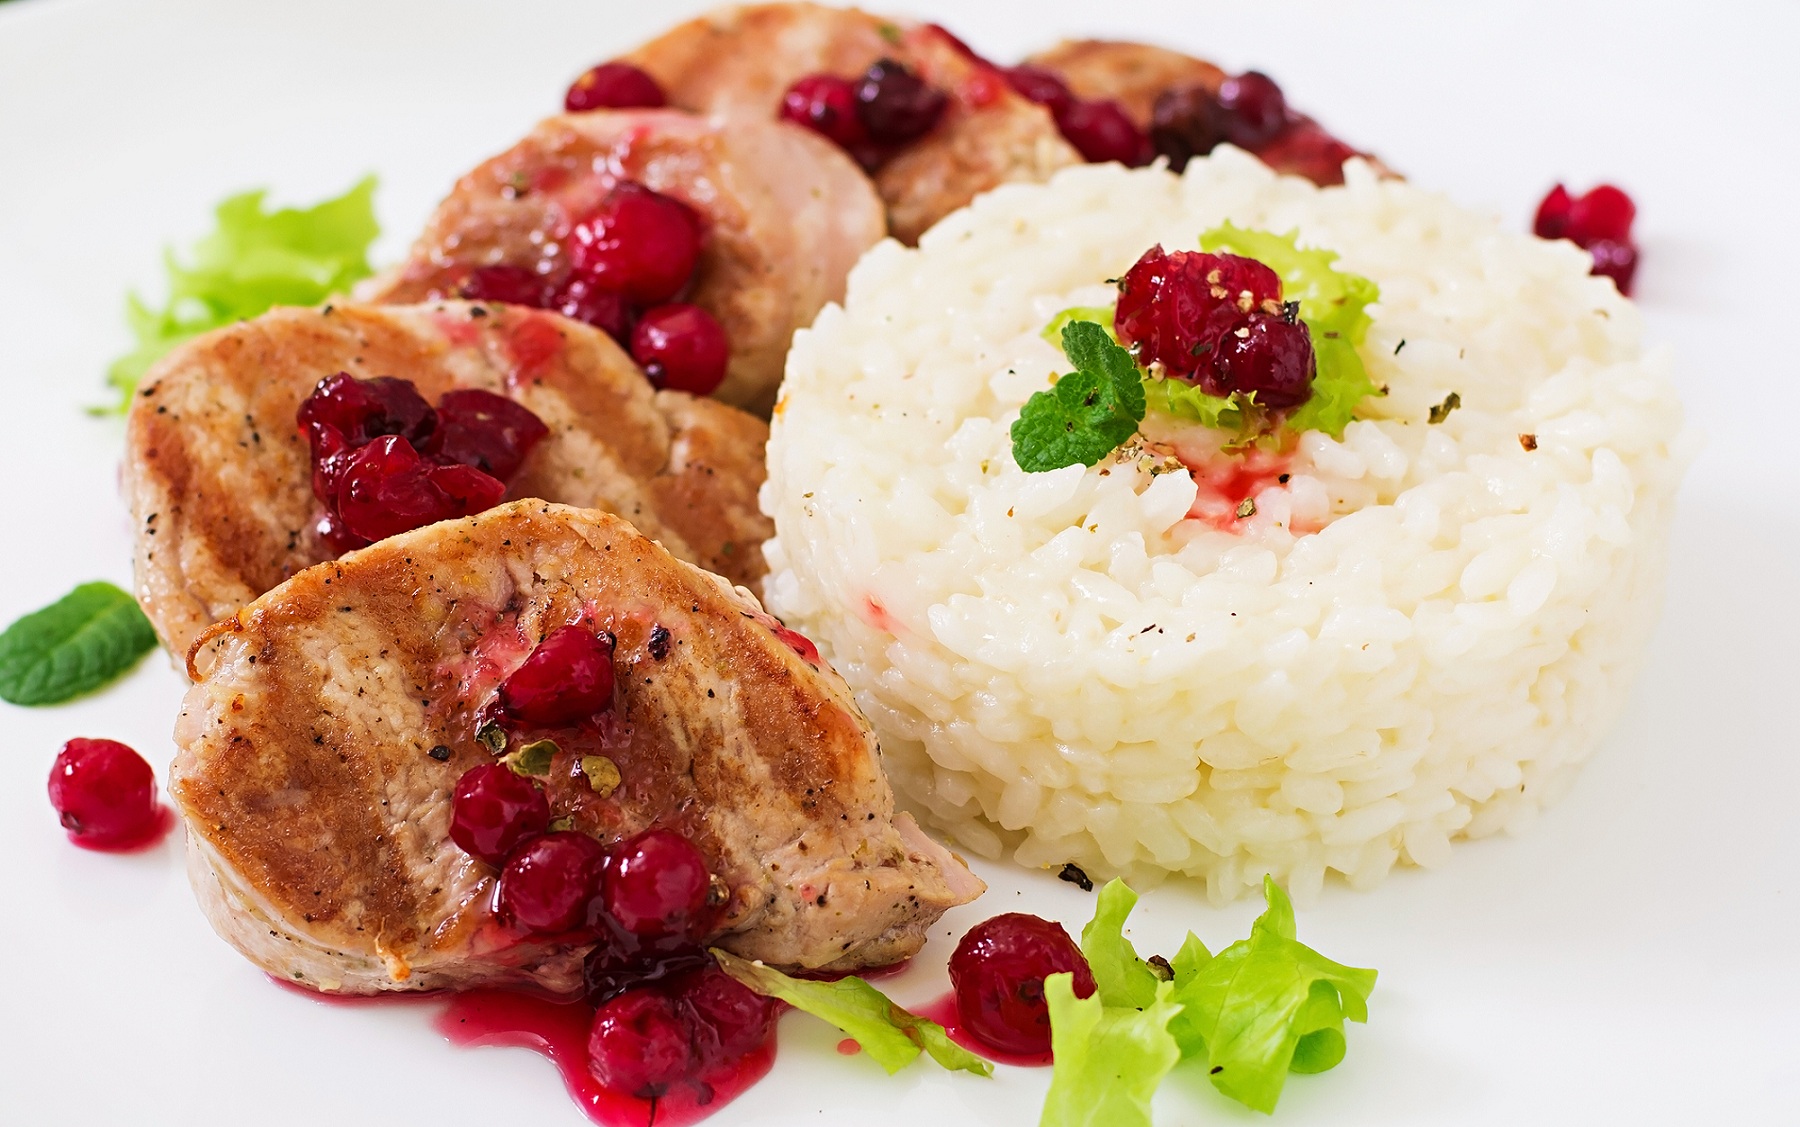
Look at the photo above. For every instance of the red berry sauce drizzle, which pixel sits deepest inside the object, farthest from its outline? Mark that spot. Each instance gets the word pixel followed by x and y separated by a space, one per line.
pixel 105 795
pixel 1599 222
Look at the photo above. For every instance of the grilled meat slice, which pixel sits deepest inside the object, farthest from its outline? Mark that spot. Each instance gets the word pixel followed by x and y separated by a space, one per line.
pixel 786 214
pixel 318 816
pixel 217 471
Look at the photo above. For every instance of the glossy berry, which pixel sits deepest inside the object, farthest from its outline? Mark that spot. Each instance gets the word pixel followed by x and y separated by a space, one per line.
pixel 825 104
pixel 487 431
pixel 614 86
pixel 103 791
pixel 681 347
pixel 1255 109
pixel 1615 260
pixel 896 105
pixel 1186 122
pixel 640 1044
pixel 551 884
pixel 1040 85
pixel 388 488
pixel 363 410
pixel 612 968
pixel 1102 131
pixel 566 680
pixel 1599 222
pixel 656 887
pixel 729 1019
pixel 1268 356
pixel 1174 306
pixel 638 243
pixel 608 310
pixel 493 811
pixel 998 971
pixel 513 285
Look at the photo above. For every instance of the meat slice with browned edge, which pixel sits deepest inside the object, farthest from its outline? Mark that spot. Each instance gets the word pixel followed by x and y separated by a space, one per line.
pixel 331 719
pixel 784 215
pixel 218 477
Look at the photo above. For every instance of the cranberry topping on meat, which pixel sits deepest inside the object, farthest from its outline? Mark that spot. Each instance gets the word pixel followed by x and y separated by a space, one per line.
pixel 489 432
pixel 1255 109
pixel 658 886
pixel 513 285
pixel 648 1039
pixel 494 811
pixel 998 972
pixel 681 347
pixel 104 792
pixel 826 104
pixel 551 885
pixel 872 116
pixel 1100 129
pixel 1598 222
pixel 565 681
pixel 639 243
pixel 614 86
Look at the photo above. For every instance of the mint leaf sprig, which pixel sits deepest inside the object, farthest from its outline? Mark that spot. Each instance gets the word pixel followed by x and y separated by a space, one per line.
pixel 75 645
pixel 1089 413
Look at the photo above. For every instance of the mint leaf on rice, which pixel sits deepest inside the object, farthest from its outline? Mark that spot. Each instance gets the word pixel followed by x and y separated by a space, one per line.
pixel 74 645
pixel 1091 411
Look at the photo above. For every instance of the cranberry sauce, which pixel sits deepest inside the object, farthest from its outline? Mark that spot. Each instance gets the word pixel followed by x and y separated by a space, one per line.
pixel 1598 222
pixel 943 1011
pixel 614 86
pixel 1100 129
pixel 872 116
pixel 998 972
pixel 105 795
pixel 384 461
pixel 562 1031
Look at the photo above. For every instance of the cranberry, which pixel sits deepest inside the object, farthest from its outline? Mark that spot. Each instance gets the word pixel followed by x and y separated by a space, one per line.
pixel 613 968
pixel 1255 110
pixel 104 792
pixel 488 431
pixel 895 105
pixel 681 347
pixel 551 884
pixel 729 1019
pixel 998 971
pixel 1102 131
pixel 1599 222
pixel 1186 122
pixel 1552 220
pixel 1037 84
pixel 363 410
pixel 638 242
pixel 568 678
pixel 614 86
pixel 1268 356
pixel 494 811
pixel 825 104
pixel 640 1044
pixel 656 887
pixel 388 489
pixel 511 285
pixel 1173 307
pixel 1615 260
pixel 581 300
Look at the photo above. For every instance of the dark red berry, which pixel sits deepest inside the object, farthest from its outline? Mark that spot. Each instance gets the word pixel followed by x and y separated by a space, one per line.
pixel 1255 110
pixel 613 968
pixel 1552 221
pixel 681 347
pixel 364 410
pixel 1102 131
pixel 567 679
pixel 638 243
pixel 607 310
pixel 728 1018
pixel 1617 261
pixel 657 886
pixel 103 791
pixel 1598 221
pixel 640 1044
pixel 488 431
pixel 1040 85
pixel 614 86
pixel 494 811
pixel 513 285
pixel 1604 212
pixel 896 105
pixel 825 104
pixel 1186 122
pixel 1267 356
pixel 1174 306
pixel 387 489
pixel 998 971
pixel 551 884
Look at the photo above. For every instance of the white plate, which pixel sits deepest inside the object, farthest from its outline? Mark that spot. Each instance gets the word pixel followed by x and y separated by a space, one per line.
pixel 1630 960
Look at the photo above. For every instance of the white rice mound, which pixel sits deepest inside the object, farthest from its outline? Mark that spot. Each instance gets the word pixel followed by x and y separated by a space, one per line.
pixel 1067 666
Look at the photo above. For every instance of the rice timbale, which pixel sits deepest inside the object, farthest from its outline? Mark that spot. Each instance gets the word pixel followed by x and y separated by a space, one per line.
pixel 1418 633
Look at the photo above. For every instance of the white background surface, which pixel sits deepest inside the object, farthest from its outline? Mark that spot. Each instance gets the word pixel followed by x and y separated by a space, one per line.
pixel 1633 959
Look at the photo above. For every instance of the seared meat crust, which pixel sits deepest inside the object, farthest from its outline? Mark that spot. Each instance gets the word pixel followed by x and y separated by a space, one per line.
pixel 318 820
pixel 786 215
pixel 218 477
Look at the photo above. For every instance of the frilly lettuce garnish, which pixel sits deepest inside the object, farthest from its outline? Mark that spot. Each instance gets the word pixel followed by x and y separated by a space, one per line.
pixel 1261 1008
pixel 255 259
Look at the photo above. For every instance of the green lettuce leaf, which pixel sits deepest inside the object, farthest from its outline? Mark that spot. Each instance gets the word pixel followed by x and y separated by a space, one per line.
pixel 893 1037
pixel 1109 1060
pixel 1101 315
pixel 1089 413
pixel 255 259
pixel 1121 978
pixel 1266 1005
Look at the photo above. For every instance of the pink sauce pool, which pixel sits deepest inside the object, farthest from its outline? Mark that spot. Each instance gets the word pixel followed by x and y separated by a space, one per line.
pixel 849 1047
pixel 943 1011
pixel 1225 482
pixel 142 842
pixel 559 1030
